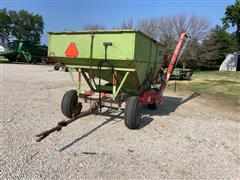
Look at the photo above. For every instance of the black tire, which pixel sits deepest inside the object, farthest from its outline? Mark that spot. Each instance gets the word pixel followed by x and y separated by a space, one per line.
pixel 66 69
pixel 108 85
pixel 56 67
pixel 12 58
pixel 132 114
pixel 152 106
pixel 70 106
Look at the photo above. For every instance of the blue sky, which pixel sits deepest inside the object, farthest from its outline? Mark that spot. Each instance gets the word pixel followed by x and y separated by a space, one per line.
pixel 62 15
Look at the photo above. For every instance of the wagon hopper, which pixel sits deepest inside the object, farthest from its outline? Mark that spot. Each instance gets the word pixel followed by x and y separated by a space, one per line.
pixel 118 66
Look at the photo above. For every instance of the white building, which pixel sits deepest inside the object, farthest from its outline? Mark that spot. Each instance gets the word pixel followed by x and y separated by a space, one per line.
pixel 231 63
pixel 1 49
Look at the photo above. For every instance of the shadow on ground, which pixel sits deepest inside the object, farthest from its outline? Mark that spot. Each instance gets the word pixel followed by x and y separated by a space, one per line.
pixel 170 105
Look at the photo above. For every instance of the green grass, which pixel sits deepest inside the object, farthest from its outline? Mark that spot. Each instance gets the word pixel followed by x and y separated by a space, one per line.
pixel 214 83
pixel 2 58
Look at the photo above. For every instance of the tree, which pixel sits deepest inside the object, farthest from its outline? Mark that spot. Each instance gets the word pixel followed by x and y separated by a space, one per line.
pixel 149 26
pixel 5 28
pixel 232 16
pixel 128 24
pixel 214 49
pixel 21 25
pixel 27 26
pixel 94 26
pixel 170 27
pixel 167 29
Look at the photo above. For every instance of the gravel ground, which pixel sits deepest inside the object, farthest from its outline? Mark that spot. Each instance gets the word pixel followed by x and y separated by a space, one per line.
pixel 187 137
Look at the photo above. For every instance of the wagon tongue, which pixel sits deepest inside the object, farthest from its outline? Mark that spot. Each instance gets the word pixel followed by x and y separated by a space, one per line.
pixel 63 123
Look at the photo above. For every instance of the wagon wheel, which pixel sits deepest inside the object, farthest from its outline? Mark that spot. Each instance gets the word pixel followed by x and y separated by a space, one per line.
pixel 56 67
pixel 70 105
pixel 132 114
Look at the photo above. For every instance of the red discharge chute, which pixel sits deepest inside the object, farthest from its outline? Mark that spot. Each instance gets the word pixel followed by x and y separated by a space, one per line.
pixel 72 50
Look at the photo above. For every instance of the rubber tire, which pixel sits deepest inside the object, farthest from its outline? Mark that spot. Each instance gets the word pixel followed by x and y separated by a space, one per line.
pixel 132 114
pixel 66 69
pixel 12 59
pixel 152 106
pixel 56 67
pixel 70 106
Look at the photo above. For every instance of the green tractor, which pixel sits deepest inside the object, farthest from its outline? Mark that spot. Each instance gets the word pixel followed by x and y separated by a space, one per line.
pixel 24 51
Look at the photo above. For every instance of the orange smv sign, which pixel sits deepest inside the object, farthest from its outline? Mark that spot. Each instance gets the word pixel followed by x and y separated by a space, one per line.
pixel 72 50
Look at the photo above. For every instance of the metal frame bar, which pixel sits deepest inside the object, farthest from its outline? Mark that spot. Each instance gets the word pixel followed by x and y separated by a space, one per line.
pixel 116 90
pixel 114 83
pixel 88 82
pixel 78 81
pixel 103 68
pixel 120 85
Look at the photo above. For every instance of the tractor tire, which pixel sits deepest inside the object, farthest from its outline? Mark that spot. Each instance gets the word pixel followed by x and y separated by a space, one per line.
pixel 12 58
pixel 70 105
pixel 132 114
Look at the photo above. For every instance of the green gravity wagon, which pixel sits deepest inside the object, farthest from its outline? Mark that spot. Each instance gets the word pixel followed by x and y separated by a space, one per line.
pixel 119 66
